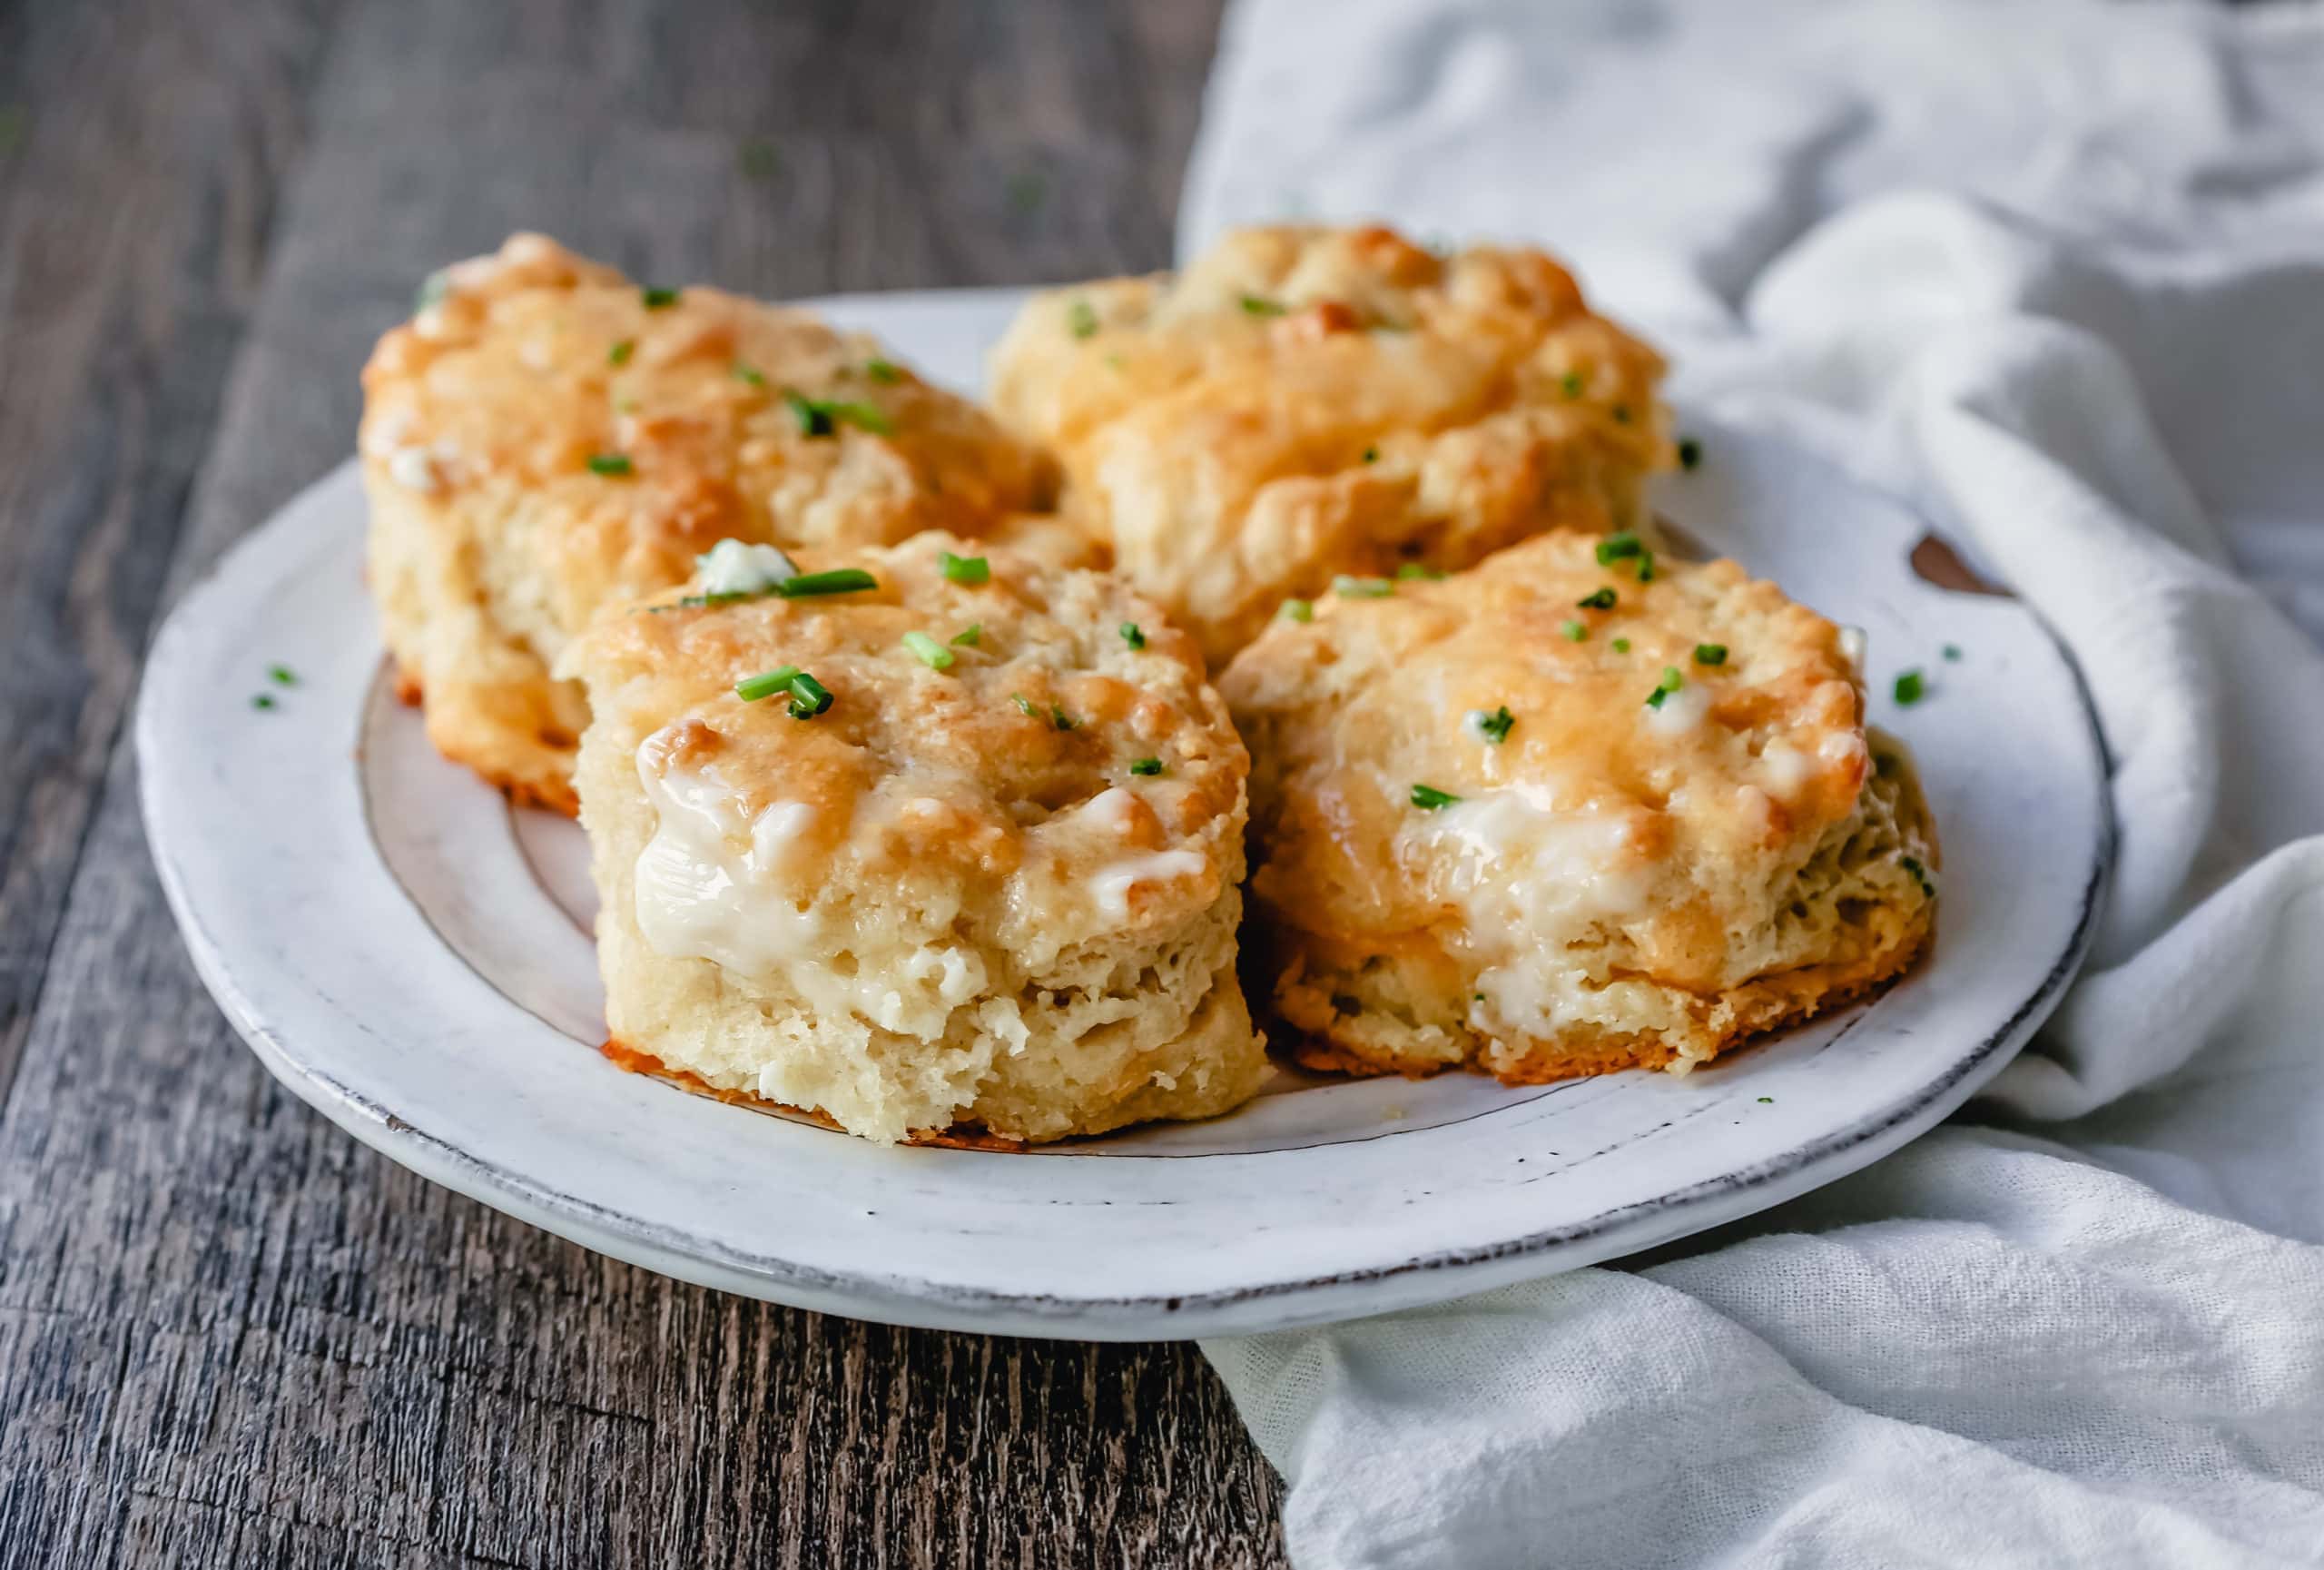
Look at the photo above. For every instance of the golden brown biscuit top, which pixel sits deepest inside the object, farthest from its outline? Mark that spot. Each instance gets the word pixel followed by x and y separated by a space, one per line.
pixel 1306 399
pixel 1659 763
pixel 1070 768
pixel 643 425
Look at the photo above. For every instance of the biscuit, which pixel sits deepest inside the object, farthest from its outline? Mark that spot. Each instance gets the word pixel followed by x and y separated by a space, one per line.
pixel 544 439
pixel 1001 893
pixel 1302 403
pixel 1543 818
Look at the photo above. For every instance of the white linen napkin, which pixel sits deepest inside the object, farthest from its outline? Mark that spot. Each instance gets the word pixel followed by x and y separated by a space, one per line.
pixel 2056 276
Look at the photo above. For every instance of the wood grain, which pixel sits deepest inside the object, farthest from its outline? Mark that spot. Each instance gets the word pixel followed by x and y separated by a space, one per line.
pixel 229 1335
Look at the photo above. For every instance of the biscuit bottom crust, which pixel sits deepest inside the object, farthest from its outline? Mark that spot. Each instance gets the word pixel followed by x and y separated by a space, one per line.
pixel 1722 1021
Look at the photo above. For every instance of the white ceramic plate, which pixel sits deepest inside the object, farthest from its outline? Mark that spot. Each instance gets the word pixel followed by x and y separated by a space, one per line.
pixel 410 956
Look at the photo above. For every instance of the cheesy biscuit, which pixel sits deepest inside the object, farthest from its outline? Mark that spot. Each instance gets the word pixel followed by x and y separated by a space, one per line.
pixel 546 437
pixel 922 840
pixel 1303 403
pixel 1573 810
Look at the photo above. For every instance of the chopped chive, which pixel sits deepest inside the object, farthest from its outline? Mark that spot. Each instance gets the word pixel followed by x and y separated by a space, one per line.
pixel 725 597
pixel 1920 875
pixel 1362 587
pixel 1060 719
pixel 750 374
pixel 1133 634
pixel 1570 383
pixel 262 700
pixel 1413 569
pixel 1146 765
pixel 1767 1101
pixel 1616 547
pixel 616 463
pixel 969 635
pixel 1597 600
pixel 821 416
pixel 1622 645
pixel 620 352
pixel 1690 452
pixel 282 676
pixel 839 580
pixel 1024 704
pixel 814 418
pixel 1370 455
pixel 1710 654
pixel 1953 651
pixel 1646 566
pixel 932 655
pixel 882 371
pixel 1671 682
pixel 1259 305
pixel 1575 632
pixel 1492 728
pixel 1428 798
pixel 1909 687
pixel 659 299
pixel 759 159
pixel 964 568
pixel 809 697
pixel 1081 319
pixel 751 689
pixel 1297 611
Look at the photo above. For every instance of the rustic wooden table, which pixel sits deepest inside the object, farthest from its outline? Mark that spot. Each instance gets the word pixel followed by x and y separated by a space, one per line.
pixel 229 1334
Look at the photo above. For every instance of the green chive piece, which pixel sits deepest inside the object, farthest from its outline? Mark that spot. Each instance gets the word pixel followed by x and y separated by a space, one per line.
pixel 969 635
pixel 1646 566
pixel 262 700
pixel 1767 1101
pixel 726 597
pixel 615 463
pixel 282 676
pixel 1428 798
pixel 620 352
pixel 1575 632
pixel 1920 875
pixel 1024 704
pixel 659 299
pixel 751 689
pixel 839 580
pixel 1616 547
pixel 1081 319
pixel 759 159
pixel 1710 654
pixel 747 373
pixel 809 697
pixel 1691 453
pixel 1061 720
pixel 1571 384
pixel 1598 599
pixel 1413 569
pixel 1259 305
pixel 1370 455
pixel 1909 687
pixel 1671 682
pixel 1362 587
pixel 932 655
pixel 882 370
pixel 822 416
pixel 964 568
pixel 1146 765
pixel 1133 634
pixel 1494 726
pixel 1297 611
pixel 1953 651
pixel 1622 645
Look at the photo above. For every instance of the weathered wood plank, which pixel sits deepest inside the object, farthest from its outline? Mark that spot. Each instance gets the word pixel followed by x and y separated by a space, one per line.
pixel 228 1334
